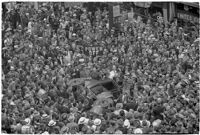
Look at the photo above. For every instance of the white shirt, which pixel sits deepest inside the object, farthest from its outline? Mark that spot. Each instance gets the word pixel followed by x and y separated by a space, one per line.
pixel 112 74
pixel 67 59
pixel 30 27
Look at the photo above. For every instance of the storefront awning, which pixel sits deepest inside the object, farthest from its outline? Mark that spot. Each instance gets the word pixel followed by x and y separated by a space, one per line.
pixel 143 4
pixel 192 4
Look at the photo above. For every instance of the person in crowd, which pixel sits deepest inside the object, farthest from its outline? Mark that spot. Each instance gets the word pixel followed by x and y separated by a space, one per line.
pixel 155 66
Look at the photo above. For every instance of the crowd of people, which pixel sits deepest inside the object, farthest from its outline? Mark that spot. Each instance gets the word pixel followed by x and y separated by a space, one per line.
pixel 153 63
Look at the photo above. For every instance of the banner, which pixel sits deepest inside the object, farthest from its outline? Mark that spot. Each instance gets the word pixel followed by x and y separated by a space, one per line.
pixel 36 5
pixel 93 50
pixel 116 11
pixel 185 16
pixel 130 16
pixel 72 4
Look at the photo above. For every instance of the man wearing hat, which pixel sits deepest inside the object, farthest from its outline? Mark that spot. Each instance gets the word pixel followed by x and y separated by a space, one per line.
pixel 27 128
pixel 119 108
pixel 127 124
pixel 96 124
pixel 73 127
pixel 83 121
pixel 138 131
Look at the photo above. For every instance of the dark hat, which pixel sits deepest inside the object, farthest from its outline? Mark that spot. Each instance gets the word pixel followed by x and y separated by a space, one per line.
pixel 135 122
pixel 145 123
pixel 64 129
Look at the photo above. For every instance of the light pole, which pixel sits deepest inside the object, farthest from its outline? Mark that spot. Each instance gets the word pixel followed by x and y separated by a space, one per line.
pixel 110 9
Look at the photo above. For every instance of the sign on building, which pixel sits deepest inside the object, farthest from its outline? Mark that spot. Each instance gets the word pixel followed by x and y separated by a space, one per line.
pixel 72 4
pixel 93 50
pixel 130 16
pixel 188 17
pixel 116 11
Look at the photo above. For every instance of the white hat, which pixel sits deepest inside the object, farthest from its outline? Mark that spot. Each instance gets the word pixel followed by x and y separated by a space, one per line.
pixel 81 60
pixel 167 33
pixel 112 74
pixel 45 133
pixel 115 50
pixel 151 35
pixel 197 82
pixel 9 29
pixel 12 68
pixel 126 123
pixel 40 38
pixel 4 48
pixel 181 56
pixel 28 121
pixel 155 55
pixel 83 120
pixel 97 122
pixel 159 100
pixel 94 127
pixel 41 92
pixel 118 132
pixel 27 95
pixel 15 46
pixel 138 131
pixel 52 123
pixel 44 115
pixel 156 123
pixel 12 103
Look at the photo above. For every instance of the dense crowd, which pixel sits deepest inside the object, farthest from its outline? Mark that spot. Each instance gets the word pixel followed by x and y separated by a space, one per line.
pixel 155 66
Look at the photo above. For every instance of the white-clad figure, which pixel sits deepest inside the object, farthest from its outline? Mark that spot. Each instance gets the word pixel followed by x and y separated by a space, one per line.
pixel 67 58
pixel 113 73
pixel 30 26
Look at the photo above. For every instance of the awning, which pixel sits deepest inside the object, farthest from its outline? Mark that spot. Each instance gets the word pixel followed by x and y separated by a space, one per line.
pixel 143 4
pixel 192 4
